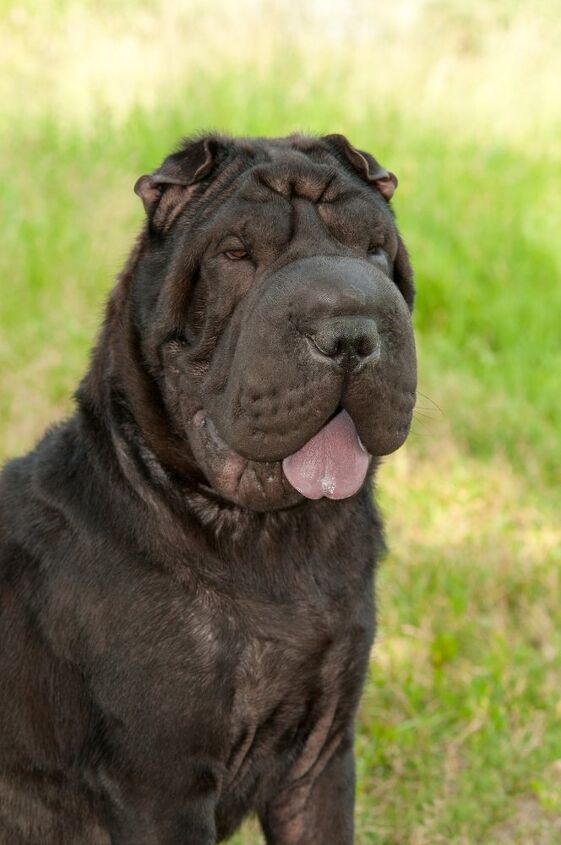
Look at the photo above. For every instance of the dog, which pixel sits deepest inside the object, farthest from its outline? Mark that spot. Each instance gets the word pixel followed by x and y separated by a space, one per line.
pixel 187 562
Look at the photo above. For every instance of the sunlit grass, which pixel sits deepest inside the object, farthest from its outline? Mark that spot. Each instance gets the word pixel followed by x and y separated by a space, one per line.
pixel 459 737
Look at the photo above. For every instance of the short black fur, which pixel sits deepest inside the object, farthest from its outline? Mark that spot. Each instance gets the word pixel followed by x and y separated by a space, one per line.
pixel 181 644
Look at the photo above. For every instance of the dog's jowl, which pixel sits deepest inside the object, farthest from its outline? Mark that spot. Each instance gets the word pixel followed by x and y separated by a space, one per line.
pixel 186 564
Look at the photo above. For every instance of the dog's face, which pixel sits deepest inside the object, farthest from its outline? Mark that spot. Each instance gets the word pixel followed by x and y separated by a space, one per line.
pixel 272 297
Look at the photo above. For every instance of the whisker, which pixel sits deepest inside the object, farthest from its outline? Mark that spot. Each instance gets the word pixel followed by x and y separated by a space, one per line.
pixel 424 423
pixel 435 404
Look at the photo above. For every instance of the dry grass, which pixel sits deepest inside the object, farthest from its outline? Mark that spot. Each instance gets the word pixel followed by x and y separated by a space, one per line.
pixel 485 71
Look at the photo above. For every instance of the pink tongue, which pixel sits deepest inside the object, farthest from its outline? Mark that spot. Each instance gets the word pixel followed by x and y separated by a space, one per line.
pixel 333 463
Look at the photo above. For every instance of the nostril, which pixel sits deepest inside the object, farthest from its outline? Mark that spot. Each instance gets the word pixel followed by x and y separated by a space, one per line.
pixel 315 342
pixel 366 345
pixel 347 341
pixel 328 346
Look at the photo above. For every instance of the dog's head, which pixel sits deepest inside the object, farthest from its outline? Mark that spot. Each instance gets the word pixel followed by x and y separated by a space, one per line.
pixel 266 338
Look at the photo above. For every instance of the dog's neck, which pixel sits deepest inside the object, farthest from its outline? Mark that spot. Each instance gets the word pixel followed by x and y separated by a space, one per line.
pixel 168 504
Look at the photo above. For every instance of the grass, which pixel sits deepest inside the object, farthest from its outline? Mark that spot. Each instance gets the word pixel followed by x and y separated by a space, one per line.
pixel 459 736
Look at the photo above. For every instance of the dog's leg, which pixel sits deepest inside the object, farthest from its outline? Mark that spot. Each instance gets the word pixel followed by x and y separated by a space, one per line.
pixel 316 808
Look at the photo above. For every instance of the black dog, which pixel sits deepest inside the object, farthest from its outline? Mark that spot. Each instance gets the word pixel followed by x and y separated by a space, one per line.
pixel 186 564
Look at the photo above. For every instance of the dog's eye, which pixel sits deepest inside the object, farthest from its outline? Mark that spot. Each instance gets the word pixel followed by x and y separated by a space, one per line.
pixel 236 254
pixel 380 256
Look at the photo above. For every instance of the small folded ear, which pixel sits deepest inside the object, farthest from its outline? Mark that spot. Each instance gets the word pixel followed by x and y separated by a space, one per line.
pixel 366 165
pixel 165 192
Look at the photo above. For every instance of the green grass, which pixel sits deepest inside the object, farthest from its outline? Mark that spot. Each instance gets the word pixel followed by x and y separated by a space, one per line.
pixel 459 737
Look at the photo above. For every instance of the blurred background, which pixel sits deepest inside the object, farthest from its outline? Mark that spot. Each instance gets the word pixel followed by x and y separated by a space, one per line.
pixel 459 737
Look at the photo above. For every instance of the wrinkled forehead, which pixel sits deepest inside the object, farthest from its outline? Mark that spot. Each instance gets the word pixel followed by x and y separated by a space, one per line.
pixel 263 191
pixel 278 177
pixel 294 174
pixel 291 176
pixel 290 197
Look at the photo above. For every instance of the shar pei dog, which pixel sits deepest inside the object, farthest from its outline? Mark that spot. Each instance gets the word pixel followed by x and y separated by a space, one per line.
pixel 187 562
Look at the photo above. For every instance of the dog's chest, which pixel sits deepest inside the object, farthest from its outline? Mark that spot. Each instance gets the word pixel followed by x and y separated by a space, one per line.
pixel 292 642
pixel 293 663
pixel 282 645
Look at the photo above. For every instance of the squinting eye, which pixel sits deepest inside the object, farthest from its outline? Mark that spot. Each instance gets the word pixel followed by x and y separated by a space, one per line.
pixel 380 256
pixel 236 254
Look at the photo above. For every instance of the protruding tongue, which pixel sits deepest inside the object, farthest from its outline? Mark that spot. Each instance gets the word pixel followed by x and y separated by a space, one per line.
pixel 333 463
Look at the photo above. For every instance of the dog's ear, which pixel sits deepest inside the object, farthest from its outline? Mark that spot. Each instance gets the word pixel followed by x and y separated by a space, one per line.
pixel 366 165
pixel 403 273
pixel 165 192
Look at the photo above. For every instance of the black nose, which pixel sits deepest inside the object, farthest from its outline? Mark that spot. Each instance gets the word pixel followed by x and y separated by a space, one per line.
pixel 348 341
